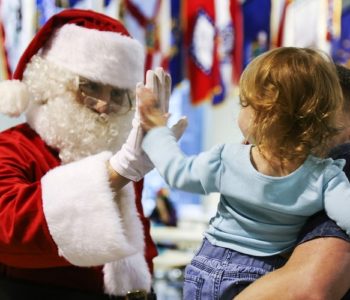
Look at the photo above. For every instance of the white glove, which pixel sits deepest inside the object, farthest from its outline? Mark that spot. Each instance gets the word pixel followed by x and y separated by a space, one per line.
pixel 131 161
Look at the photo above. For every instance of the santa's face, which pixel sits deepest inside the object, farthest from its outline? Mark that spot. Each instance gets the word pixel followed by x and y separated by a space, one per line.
pixel 75 130
pixel 77 117
pixel 102 98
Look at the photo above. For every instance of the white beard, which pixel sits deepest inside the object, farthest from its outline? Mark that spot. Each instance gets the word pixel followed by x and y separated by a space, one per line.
pixel 76 131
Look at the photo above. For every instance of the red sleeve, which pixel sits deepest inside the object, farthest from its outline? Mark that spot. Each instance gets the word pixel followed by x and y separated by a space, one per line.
pixel 25 240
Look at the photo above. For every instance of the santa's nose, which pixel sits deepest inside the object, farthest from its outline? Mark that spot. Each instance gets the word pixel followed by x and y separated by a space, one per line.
pixel 101 106
pixel 98 105
pixel 100 102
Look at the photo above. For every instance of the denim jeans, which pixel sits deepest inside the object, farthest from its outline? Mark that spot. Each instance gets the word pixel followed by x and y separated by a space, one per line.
pixel 221 273
pixel 319 225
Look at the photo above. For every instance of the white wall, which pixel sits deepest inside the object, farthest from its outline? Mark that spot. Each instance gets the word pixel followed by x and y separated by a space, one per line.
pixel 6 122
pixel 221 122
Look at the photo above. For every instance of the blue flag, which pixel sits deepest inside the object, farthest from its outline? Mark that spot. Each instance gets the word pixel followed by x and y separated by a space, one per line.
pixel 256 20
pixel 341 46
pixel 176 66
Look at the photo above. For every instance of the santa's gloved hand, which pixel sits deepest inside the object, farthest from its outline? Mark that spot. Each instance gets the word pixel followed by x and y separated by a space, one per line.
pixel 130 161
pixel 160 83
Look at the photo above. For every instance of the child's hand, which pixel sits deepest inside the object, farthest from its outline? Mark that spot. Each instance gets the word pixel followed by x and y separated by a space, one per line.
pixel 150 114
pixel 152 102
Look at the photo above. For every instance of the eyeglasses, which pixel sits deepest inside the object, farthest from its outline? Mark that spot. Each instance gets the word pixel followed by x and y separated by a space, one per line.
pixel 104 98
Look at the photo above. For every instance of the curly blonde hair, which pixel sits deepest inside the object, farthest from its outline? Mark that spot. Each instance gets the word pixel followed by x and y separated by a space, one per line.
pixel 296 98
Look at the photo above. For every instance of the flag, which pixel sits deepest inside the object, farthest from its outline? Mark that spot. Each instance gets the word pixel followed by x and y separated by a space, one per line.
pixel 305 24
pixel 176 57
pixel 202 57
pixel 341 45
pixel 256 19
pixel 18 20
pixel 5 72
pixel 237 52
pixel 278 14
pixel 141 21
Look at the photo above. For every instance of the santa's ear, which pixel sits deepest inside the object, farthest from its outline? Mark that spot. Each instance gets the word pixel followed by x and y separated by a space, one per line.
pixel 14 97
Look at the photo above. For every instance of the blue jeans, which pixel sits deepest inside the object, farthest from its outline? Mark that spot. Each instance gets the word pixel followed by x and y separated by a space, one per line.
pixel 319 225
pixel 221 273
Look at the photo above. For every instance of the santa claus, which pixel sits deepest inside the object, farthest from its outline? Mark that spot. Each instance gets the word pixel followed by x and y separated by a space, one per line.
pixel 70 226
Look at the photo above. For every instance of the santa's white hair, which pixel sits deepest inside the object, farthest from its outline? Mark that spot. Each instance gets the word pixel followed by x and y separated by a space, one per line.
pixel 63 123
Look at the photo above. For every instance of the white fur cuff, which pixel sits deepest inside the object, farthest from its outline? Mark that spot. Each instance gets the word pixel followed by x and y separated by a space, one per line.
pixel 138 276
pixel 83 218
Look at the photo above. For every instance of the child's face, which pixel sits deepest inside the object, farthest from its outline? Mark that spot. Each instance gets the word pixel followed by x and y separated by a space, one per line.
pixel 245 121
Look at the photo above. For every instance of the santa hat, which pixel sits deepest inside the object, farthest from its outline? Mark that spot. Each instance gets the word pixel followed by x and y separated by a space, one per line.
pixel 84 42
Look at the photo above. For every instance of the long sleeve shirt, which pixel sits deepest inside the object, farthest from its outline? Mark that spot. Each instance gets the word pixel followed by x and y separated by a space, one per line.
pixel 257 214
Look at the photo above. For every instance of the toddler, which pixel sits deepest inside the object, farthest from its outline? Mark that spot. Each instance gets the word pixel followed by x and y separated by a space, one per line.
pixel 290 103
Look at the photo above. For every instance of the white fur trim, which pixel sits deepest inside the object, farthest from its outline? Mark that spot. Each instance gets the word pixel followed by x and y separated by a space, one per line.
pixel 128 274
pixel 101 56
pixel 89 227
pixel 138 275
pixel 14 97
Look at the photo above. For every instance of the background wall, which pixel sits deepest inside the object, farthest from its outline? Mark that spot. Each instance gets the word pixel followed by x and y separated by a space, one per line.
pixel 6 122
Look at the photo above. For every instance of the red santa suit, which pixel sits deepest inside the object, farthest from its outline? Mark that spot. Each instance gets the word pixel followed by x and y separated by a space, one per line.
pixel 62 224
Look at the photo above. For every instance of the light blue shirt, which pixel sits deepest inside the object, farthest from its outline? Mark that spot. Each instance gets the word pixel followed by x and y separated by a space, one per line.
pixel 257 214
